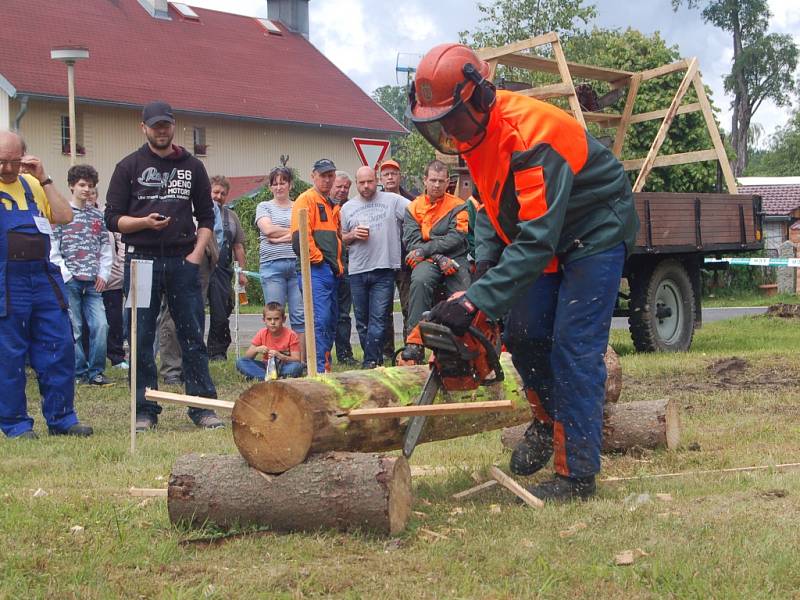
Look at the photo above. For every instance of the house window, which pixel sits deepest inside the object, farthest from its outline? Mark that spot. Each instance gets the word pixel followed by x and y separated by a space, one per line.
pixel 199 138
pixel 80 149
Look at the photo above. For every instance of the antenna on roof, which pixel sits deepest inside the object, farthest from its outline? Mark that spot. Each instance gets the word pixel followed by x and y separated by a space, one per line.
pixel 406 63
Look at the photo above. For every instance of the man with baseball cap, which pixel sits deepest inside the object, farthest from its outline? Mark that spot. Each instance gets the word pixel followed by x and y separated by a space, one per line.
pixel 325 254
pixel 390 180
pixel 152 198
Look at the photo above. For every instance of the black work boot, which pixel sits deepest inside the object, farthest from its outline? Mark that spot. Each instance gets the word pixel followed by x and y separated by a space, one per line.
pixel 562 489
pixel 535 449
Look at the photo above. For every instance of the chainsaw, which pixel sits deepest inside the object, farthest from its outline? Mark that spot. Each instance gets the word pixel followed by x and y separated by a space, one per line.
pixel 458 364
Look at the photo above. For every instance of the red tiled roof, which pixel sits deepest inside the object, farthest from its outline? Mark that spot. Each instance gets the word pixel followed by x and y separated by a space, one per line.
pixel 224 64
pixel 242 186
pixel 779 199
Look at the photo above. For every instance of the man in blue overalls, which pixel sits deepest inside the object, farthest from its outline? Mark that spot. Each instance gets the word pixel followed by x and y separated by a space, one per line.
pixel 34 321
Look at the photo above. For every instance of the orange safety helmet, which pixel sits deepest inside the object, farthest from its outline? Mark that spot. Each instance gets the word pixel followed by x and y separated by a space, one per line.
pixel 451 98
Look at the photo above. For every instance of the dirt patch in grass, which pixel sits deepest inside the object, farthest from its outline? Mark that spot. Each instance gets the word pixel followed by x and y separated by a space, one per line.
pixel 729 373
pixel 787 311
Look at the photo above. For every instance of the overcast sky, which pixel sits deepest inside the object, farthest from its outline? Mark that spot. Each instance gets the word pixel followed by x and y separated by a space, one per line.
pixel 363 37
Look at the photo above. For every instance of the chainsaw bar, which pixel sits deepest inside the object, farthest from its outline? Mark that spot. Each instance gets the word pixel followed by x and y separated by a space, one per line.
pixel 417 423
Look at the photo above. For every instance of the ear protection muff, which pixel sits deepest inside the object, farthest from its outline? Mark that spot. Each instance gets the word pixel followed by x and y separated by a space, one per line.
pixel 485 92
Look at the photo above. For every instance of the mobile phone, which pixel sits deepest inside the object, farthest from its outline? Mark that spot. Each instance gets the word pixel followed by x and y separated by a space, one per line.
pixel 161 218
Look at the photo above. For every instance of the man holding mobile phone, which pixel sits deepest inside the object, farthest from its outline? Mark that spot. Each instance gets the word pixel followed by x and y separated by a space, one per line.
pixel 152 198
pixel 34 321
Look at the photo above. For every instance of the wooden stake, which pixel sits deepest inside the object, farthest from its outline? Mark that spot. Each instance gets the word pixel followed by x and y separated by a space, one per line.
pixel 474 490
pixel 392 412
pixel 308 303
pixel 133 348
pixel 516 488
pixel 185 400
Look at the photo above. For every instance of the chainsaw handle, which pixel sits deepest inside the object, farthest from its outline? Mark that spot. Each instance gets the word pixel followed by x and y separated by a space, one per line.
pixel 492 355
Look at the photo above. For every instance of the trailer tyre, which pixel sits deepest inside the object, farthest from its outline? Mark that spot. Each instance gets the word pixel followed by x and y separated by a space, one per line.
pixel 662 308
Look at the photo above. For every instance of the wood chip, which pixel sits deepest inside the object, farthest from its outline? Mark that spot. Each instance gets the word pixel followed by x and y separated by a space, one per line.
pixel 457 511
pixel 433 534
pixel 627 557
pixel 516 488
pixel 40 493
pixel 149 492
pixel 474 490
pixel 664 497
pixel 423 470
pixel 495 509
pixel 572 530
pixel 76 530
pixel 419 514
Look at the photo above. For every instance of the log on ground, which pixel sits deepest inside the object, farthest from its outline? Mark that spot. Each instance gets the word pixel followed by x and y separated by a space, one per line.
pixel 336 490
pixel 648 424
pixel 277 424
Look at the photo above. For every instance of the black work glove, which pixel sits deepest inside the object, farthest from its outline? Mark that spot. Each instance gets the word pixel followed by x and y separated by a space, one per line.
pixel 481 267
pixel 457 313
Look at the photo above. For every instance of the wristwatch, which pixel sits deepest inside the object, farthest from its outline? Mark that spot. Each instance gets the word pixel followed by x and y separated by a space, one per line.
pixel 47 181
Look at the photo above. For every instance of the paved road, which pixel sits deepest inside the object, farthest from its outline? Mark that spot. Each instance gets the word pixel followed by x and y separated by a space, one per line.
pixel 250 324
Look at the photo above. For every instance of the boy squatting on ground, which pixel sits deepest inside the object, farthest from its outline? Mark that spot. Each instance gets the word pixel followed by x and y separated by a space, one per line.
pixel 276 341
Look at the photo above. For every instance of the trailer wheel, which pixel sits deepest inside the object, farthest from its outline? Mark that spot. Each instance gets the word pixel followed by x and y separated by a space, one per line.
pixel 662 308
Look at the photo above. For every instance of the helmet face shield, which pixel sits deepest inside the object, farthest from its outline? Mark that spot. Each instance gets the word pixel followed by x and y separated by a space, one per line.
pixel 453 131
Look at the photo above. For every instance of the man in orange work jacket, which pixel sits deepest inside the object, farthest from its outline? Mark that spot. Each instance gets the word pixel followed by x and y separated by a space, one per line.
pixel 550 245
pixel 435 236
pixel 325 255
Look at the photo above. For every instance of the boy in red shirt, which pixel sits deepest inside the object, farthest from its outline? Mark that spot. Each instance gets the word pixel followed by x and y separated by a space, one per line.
pixel 276 341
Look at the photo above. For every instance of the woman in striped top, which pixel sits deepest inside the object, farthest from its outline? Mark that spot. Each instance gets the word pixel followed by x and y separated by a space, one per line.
pixel 277 260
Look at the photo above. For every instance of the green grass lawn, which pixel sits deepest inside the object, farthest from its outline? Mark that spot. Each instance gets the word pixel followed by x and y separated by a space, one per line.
pixel 720 536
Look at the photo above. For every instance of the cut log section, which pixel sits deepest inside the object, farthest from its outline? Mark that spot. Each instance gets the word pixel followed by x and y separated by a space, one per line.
pixel 336 490
pixel 648 424
pixel 277 424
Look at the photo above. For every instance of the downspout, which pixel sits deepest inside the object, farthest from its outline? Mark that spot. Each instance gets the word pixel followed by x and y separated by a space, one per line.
pixel 23 108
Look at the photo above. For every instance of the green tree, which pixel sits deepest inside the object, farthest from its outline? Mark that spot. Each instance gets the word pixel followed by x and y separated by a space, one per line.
pixel 394 100
pixel 411 151
pixel 506 21
pixel 782 156
pixel 632 50
pixel 764 65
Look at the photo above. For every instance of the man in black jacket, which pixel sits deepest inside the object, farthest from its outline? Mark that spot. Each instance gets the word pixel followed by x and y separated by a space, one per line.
pixel 152 197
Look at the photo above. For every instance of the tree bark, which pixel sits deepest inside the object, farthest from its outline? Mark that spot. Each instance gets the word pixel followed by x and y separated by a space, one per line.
pixel 648 424
pixel 277 424
pixel 336 490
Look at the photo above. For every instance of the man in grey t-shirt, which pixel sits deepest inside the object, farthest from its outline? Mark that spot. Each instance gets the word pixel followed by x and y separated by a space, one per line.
pixel 371 229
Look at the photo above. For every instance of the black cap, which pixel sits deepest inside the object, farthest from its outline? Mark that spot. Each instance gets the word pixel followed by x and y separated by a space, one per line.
pixel 156 112
pixel 324 165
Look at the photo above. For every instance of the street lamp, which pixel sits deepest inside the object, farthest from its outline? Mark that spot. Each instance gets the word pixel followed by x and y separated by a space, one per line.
pixel 69 56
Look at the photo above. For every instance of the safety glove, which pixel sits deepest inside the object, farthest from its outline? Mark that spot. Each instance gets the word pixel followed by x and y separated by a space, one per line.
pixel 415 257
pixel 446 265
pixel 457 313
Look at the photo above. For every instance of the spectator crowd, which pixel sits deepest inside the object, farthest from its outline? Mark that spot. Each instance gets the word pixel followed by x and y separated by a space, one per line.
pixel 65 272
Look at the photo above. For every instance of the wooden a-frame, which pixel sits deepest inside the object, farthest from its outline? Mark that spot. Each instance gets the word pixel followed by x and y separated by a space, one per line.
pixel 516 55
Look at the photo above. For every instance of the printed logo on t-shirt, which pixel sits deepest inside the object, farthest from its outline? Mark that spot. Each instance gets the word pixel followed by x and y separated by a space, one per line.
pixel 173 185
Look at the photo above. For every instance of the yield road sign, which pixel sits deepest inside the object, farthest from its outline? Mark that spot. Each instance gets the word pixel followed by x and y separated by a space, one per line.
pixel 371 152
